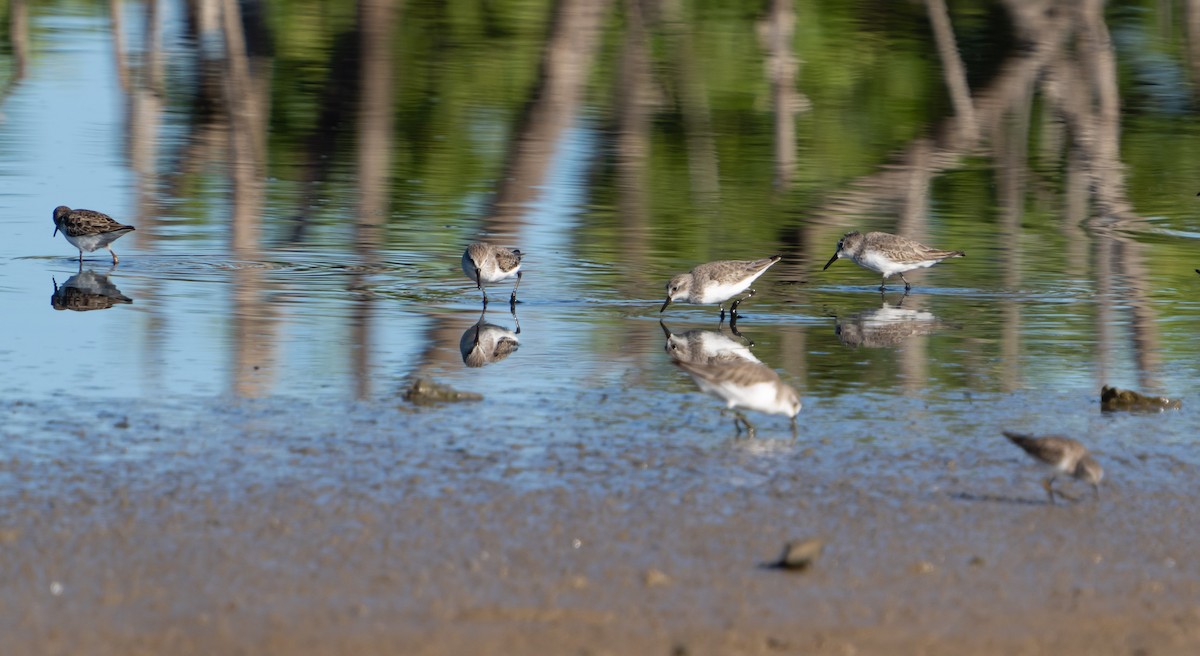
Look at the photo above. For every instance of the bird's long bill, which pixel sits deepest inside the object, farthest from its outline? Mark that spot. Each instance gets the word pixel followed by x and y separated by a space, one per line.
pixel 665 304
pixel 831 261
pixel 55 231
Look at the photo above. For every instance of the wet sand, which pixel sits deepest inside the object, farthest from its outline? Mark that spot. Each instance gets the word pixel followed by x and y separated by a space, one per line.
pixel 407 532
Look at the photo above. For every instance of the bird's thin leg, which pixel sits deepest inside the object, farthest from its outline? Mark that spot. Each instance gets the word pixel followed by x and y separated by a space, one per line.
pixel 749 427
pixel 733 309
pixel 116 260
pixel 737 426
pixel 795 434
pixel 81 258
pixel 1049 485
pixel 722 319
pixel 513 299
pixel 737 333
pixel 1096 492
pixel 883 283
pixel 906 285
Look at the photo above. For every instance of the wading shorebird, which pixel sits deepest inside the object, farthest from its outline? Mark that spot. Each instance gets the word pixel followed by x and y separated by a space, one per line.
pixel 484 264
pixel 88 230
pixel 717 282
pixel 1062 455
pixel 888 254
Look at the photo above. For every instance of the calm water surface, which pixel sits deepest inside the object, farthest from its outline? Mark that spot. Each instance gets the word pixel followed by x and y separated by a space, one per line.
pixel 1079 267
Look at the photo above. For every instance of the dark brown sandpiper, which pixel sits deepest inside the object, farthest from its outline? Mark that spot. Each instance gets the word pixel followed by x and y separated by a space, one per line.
pixel 888 254
pixel 717 282
pixel 485 263
pixel 1062 454
pixel 89 230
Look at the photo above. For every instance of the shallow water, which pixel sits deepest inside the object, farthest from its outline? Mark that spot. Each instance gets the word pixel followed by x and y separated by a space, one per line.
pixel 270 329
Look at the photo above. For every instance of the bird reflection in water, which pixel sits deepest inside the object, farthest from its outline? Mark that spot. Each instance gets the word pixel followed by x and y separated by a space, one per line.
pixel 742 384
pixel 486 343
pixel 706 347
pixel 86 290
pixel 886 326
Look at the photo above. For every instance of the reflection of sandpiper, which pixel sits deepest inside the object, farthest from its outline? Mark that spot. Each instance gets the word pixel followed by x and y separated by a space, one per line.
pixel 1062 455
pixel 86 290
pixel 885 326
pixel 485 343
pixel 888 254
pixel 705 347
pixel 744 384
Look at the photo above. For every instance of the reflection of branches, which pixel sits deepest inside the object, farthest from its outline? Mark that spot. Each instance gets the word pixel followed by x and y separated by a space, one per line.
pixel 1067 56
pixel 1046 32
pixel 375 115
pixel 777 33
pixel 254 322
pixel 952 67
pixel 375 138
pixel 693 102
pixel 633 101
pixel 18 30
pixel 570 47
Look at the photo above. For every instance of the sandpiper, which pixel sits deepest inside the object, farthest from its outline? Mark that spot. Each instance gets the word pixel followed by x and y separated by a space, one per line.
pixel 717 282
pixel 485 263
pixel 88 230
pixel 1064 456
pixel 744 384
pixel 888 254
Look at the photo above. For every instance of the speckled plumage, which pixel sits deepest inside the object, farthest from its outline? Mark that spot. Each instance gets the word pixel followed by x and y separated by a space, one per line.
pixel 484 263
pixel 1062 454
pixel 717 282
pixel 89 230
pixel 888 254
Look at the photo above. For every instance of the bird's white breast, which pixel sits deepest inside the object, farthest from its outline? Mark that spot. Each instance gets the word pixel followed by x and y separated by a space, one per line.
pixel 716 292
pixel 89 243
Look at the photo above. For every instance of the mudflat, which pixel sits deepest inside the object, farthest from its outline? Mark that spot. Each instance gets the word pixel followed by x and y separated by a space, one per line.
pixel 401 531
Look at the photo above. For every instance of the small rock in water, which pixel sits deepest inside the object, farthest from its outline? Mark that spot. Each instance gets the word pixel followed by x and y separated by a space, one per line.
pixel 423 391
pixel 799 555
pixel 1112 398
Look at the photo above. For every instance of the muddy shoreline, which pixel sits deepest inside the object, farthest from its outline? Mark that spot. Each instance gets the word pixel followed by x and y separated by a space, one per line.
pixel 251 537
